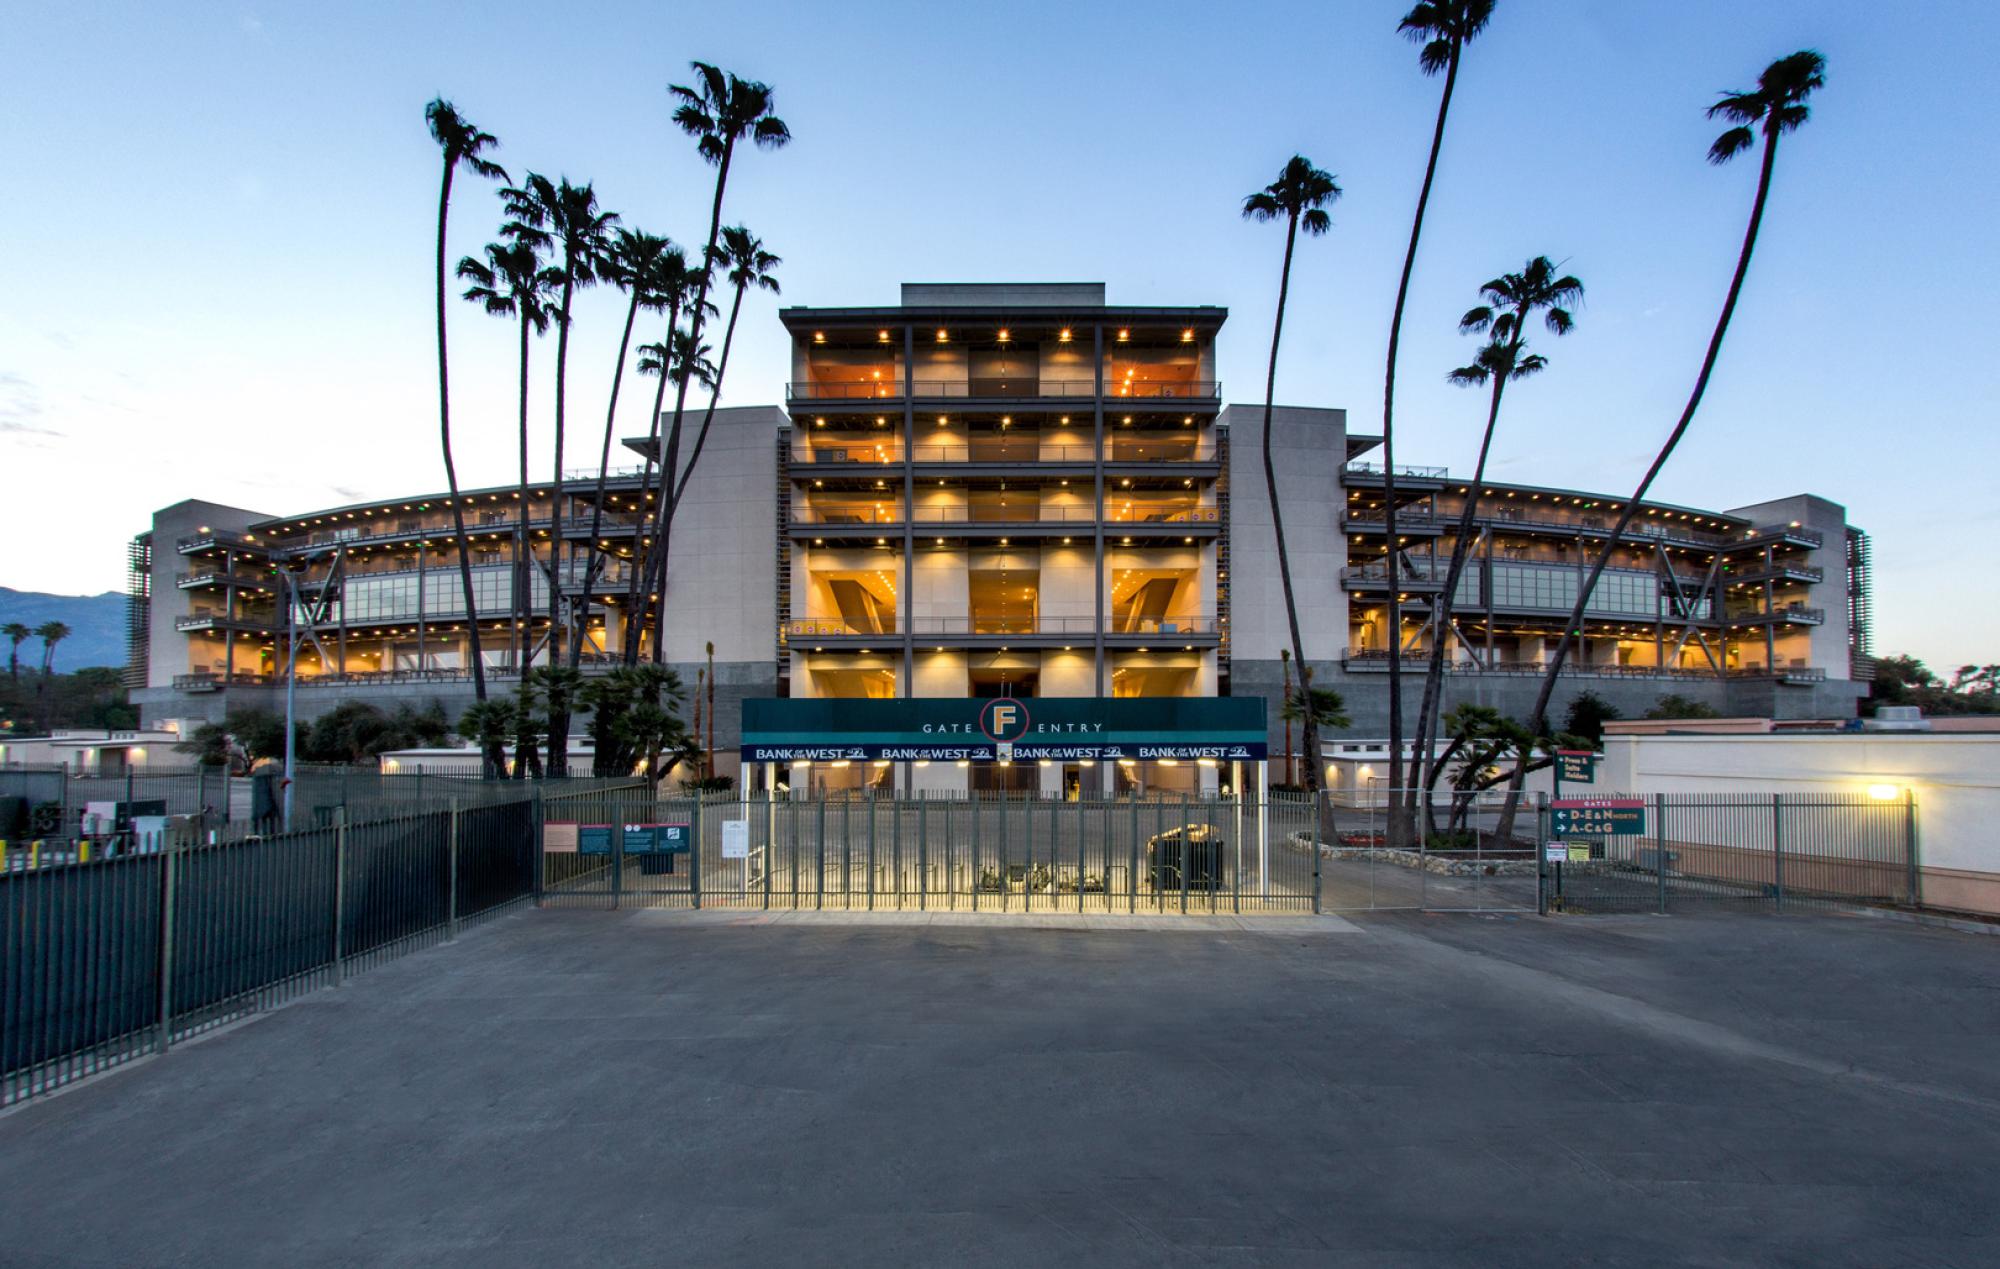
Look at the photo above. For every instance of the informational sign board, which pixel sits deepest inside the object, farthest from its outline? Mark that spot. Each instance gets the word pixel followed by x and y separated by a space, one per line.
pixel 1555 852
pixel 1598 817
pixel 1062 729
pixel 1579 852
pixel 559 838
pixel 593 839
pixel 656 839
pixel 736 839
pixel 1576 766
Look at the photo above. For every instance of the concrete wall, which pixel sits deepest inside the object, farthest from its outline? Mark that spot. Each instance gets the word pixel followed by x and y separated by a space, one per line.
pixel 1309 448
pixel 1955 779
pixel 167 650
pixel 725 548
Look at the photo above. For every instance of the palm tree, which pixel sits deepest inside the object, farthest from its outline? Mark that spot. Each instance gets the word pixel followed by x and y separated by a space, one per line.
pixel 719 113
pixel 678 359
pixel 576 226
pixel 17 633
pixel 1512 300
pixel 1285 664
pixel 677 282
pixel 461 142
pixel 558 686
pixel 1443 28
pixel 1300 197
pixel 633 262
pixel 1776 106
pixel 512 282
pixel 749 265
pixel 490 725
pixel 51 633
pixel 1316 707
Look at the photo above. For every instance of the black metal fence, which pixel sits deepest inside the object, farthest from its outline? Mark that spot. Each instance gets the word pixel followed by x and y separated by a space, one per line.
pixel 1754 852
pixel 120 956
pixel 48 803
pixel 997 853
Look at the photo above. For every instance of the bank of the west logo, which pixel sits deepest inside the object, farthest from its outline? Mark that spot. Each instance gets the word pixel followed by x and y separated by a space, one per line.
pixel 1004 720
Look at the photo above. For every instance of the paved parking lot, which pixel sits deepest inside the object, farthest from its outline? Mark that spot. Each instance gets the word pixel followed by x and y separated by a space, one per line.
pixel 653 1087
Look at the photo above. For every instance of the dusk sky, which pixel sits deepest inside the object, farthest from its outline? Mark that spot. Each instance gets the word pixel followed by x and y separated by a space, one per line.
pixel 218 236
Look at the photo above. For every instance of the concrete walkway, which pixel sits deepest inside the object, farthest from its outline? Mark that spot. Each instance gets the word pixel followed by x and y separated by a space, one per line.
pixel 643 1088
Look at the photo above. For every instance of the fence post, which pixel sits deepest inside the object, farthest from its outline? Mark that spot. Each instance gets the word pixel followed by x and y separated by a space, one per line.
pixel 166 944
pixel 1778 850
pixel 451 876
pixel 1660 848
pixel 1541 854
pixel 1910 847
pixel 694 853
pixel 618 854
pixel 1319 819
pixel 339 893
pixel 540 831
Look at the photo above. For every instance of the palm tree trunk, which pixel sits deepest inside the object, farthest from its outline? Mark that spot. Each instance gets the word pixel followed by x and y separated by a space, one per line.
pixel 701 436
pixel 662 537
pixel 1424 759
pixel 1539 721
pixel 642 565
pixel 1290 769
pixel 604 466
pixel 451 469
pixel 1309 724
pixel 1397 824
pixel 558 764
pixel 524 590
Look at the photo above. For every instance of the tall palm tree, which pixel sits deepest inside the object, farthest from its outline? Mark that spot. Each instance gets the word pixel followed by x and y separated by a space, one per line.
pixel 51 633
pixel 17 633
pixel 577 227
pixel 1512 300
pixel 461 142
pixel 1443 28
pixel 679 359
pixel 633 262
pixel 1299 197
pixel 1315 706
pixel 512 282
pixel 719 113
pixel 1285 666
pixel 1775 107
pixel 676 281
pixel 749 265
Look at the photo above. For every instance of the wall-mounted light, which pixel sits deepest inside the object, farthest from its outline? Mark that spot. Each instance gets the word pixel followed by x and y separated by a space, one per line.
pixel 1884 792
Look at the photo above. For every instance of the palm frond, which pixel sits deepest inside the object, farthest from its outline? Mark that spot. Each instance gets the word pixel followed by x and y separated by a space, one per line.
pixel 1476 319
pixel 1532 364
pixel 1315 222
pixel 1468 376
pixel 1730 144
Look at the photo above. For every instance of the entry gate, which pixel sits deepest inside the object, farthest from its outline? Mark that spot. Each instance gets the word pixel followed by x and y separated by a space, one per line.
pixel 1283 853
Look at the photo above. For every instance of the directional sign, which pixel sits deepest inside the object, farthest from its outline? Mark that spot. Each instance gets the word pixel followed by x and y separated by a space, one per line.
pixel 1598 817
pixel 1576 766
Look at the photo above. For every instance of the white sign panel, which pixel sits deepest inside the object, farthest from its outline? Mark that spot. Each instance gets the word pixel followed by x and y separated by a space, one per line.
pixel 736 839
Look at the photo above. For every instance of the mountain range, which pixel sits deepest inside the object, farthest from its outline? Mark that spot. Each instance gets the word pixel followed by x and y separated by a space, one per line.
pixel 96 622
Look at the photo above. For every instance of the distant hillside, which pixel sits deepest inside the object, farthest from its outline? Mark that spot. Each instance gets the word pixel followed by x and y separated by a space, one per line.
pixel 96 622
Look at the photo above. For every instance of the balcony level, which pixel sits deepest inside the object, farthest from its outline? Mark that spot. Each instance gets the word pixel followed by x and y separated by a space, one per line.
pixel 1005 630
pixel 1408 479
pixel 206 539
pixel 243 623
pixel 216 576
pixel 1784 615
pixel 1778 571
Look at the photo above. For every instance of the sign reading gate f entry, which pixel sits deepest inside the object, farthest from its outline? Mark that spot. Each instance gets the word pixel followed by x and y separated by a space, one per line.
pixel 962 729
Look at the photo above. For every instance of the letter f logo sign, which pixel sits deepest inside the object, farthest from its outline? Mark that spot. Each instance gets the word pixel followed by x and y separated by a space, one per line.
pixel 1003 719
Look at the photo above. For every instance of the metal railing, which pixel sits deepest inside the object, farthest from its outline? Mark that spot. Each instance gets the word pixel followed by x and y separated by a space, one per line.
pixel 1417 661
pixel 1027 514
pixel 1765 852
pixel 1002 624
pixel 127 950
pixel 1785 612
pixel 1023 387
pixel 207 620
pixel 1415 473
pixel 1166 450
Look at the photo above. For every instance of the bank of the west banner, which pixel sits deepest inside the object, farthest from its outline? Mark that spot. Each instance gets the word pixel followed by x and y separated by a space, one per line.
pixel 1060 728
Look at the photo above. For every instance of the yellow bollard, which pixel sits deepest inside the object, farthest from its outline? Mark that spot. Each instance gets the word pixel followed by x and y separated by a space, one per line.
pixel 35 854
pixel 83 851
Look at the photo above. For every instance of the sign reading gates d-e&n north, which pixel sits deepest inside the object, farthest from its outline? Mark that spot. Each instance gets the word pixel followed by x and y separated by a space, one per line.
pixel 951 729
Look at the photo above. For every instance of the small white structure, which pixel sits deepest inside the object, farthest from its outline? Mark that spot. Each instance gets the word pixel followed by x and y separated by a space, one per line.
pixel 1951 774
pixel 95 751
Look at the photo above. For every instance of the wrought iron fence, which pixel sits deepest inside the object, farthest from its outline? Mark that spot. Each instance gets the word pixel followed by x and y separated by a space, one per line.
pixel 111 958
pixel 1770 852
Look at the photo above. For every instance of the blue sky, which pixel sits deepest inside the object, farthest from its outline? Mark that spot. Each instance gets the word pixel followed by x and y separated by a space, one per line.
pixel 218 235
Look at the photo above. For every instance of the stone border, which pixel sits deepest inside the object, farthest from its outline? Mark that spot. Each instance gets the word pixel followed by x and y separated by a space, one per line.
pixel 1440 863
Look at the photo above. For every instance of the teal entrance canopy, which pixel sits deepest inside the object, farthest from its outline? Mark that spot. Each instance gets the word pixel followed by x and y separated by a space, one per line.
pixel 950 729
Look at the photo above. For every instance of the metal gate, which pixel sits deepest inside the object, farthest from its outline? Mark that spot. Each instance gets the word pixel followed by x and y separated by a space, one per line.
pixel 1284 853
